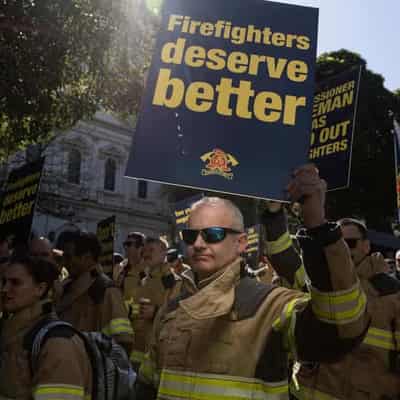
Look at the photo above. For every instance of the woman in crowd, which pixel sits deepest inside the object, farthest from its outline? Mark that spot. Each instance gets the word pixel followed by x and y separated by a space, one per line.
pixel 63 368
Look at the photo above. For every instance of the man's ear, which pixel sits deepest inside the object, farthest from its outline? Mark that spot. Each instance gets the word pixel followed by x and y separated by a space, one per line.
pixel 42 287
pixel 242 240
pixel 366 246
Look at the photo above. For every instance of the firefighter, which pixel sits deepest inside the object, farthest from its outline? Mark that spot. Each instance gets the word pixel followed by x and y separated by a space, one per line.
pixel 64 370
pixel 147 294
pixel 231 338
pixel 90 300
pixel 41 247
pixel 127 272
pixel 348 377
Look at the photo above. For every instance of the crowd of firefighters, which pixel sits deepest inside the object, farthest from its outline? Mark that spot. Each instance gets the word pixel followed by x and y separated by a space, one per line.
pixel 320 320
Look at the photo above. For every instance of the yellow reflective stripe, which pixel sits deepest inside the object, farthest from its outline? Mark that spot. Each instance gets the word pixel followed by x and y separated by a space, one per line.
pixel 286 323
pixel 282 321
pixel 337 297
pixel 339 307
pixel 279 245
pixel 132 307
pixel 383 339
pixel 137 356
pixel 55 391
pixel 197 386
pixel 300 278
pixel 384 333
pixel 148 371
pixel 333 316
pixel 304 393
pixel 118 326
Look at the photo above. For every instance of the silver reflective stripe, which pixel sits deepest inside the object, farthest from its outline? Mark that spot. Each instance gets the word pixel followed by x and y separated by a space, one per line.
pixel 197 386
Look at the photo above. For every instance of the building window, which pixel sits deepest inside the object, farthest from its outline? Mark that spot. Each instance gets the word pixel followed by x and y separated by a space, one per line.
pixel 109 175
pixel 142 189
pixel 74 166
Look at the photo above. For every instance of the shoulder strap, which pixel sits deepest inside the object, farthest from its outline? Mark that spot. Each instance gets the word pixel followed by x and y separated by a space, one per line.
pixel 101 283
pixel 249 295
pixel 44 330
pixel 384 284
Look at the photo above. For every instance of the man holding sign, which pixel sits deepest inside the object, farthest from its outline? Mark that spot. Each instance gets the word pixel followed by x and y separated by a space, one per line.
pixel 231 338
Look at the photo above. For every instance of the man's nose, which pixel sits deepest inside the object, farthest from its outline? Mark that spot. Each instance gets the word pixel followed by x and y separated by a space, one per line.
pixel 5 287
pixel 199 242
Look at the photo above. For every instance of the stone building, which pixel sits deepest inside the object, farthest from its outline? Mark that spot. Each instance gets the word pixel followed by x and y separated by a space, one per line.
pixel 84 183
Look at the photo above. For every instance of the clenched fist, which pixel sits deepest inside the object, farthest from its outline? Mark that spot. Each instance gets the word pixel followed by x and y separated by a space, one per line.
pixel 309 189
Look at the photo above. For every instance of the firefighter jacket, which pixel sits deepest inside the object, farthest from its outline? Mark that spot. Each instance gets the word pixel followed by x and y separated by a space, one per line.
pixel 138 284
pixel 64 370
pixel 230 339
pixel 92 303
pixel 350 376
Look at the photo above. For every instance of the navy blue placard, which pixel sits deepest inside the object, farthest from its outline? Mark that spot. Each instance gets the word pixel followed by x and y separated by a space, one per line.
pixel 182 211
pixel 19 201
pixel 334 114
pixel 196 128
pixel 105 232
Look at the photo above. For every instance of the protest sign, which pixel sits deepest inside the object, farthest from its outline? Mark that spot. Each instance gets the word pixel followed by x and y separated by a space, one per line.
pixel 19 200
pixel 253 250
pixel 334 113
pixel 228 98
pixel 182 211
pixel 105 233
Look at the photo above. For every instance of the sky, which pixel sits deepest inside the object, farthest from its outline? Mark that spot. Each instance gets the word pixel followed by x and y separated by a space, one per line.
pixel 368 27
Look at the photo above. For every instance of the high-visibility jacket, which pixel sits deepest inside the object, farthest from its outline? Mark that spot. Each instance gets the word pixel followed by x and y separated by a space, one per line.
pixel 230 339
pixel 372 370
pixel 137 284
pixel 92 303
pixel 64 370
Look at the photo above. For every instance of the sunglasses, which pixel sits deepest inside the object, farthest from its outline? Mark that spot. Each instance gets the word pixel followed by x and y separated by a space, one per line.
pixel 210 235
pixel 352 243
pixel 129 243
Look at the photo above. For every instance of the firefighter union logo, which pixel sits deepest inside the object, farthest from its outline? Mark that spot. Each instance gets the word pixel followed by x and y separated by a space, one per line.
pixel 218 163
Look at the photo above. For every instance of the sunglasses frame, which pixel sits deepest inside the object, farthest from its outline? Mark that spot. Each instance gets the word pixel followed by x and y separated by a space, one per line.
pixel 353 242
pixel 203 234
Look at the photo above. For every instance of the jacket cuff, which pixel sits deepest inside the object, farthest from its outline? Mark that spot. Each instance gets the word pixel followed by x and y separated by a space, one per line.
pixel 323 235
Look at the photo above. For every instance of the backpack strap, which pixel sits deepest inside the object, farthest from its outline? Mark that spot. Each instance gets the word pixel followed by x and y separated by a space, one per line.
pixel 384 284
pixel 98 288
pixel 249 295
pixel 35 339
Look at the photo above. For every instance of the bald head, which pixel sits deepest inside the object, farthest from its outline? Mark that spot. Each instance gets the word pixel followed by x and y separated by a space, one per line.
pixel 41 247
pixel 223 206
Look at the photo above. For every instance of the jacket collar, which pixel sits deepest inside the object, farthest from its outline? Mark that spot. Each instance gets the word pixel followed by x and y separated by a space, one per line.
pixel 19 322
pixel 216 295
pixel 74 289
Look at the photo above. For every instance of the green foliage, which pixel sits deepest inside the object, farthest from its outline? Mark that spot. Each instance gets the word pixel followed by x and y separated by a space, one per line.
pixel 372 191
pixel 63 60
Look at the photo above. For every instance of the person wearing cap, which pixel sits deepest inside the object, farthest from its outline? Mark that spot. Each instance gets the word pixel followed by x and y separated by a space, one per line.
pixel 91 302
pixel 129 268
pixel 349 376
pixel 147 293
